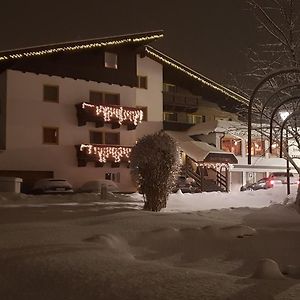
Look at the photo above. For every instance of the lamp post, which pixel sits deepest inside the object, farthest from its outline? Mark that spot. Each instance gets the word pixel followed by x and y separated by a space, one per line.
pixel 284 115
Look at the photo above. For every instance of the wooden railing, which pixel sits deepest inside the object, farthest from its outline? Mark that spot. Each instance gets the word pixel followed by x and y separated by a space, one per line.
pixel 112 114
pixel 102 154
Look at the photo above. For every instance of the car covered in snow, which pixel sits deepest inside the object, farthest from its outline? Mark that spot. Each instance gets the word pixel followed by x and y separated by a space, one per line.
pixel 52 186
pixel 95 186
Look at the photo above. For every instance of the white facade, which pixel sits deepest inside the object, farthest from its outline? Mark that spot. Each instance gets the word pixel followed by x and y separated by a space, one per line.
pixel 27 114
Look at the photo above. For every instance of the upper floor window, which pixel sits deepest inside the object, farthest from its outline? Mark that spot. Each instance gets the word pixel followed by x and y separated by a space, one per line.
pixel 50 135
pixel 232 145
pixel 195 119
pixel 142 82
pixel 168 87
pixel 170 116
pixel 103 98
pixel 51 93
pixel 257 147
pixel 110 60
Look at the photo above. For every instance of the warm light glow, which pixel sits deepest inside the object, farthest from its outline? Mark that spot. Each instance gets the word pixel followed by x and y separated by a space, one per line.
pixel 122 114
pixel 80 47
pixel 105 152
pixel 215 165
pixel 284 115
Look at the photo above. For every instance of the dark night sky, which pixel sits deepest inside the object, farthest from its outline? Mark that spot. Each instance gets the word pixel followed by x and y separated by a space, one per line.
pixel 208 35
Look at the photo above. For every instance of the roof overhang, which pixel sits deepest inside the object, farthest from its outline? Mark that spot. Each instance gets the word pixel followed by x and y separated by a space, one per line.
pixel 129 39
pixel 229 96
pixel 200 151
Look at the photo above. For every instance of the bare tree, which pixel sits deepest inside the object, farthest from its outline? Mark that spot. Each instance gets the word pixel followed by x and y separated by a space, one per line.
pixel 272 80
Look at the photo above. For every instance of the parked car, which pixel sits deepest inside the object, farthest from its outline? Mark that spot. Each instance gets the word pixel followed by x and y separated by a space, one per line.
pixel 94 186
pixel 52 186
pixel 282 176
pixel 264 183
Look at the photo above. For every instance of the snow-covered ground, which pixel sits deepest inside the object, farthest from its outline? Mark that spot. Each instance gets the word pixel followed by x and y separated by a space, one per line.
pixel 243 245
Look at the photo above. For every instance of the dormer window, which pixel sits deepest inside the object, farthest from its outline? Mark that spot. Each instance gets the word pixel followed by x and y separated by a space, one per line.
pixel 110 60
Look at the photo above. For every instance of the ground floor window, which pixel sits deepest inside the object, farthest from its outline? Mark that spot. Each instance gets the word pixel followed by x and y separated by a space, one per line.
pixel 232 145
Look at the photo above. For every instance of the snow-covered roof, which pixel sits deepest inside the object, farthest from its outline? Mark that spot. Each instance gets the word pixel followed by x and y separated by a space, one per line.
pixel 71 46
pixel 197 150
pixel 165 59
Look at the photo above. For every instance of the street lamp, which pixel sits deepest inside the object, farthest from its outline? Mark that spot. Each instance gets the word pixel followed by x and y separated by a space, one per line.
pixel 283 116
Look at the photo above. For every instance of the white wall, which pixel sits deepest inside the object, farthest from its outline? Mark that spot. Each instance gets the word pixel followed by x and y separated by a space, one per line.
pixel 151 97
pixel 27 114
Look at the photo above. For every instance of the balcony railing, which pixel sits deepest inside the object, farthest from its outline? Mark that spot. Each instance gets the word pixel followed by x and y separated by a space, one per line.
pixel 112 114
pixel 101 154
pixel 180 102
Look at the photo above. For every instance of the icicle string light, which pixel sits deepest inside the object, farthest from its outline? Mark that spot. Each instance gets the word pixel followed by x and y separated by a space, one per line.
pixel 80 47
pixel 216 165
pixel 104 152
pixel 173 63
pixel 122 114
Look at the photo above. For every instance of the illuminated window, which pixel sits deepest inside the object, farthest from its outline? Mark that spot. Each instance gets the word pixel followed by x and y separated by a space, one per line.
pixel 195 119
pixel 96 137
pixel 257 147
pixel 275 150
pixel 171 88
pixel 112 138
pixel 50 135
pixel 232 145
pixel 142 82
pixel 170 116
pixel 110 60
pixel 51 93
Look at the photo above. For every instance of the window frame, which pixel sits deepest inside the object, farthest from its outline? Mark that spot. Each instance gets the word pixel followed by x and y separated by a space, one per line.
pixel 114 133
pixel 140 77
pixel 43 135
pixel 107 64
pixel 44 94
pixel 98 132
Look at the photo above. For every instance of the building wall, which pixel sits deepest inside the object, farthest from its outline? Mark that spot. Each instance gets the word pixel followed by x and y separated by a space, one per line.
pixel 27 114
pixel 2 110
pixel 152 97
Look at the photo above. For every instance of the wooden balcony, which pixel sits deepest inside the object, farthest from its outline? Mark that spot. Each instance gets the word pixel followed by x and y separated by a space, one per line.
pixel 111 114
pixel 102 154
pixel 174 101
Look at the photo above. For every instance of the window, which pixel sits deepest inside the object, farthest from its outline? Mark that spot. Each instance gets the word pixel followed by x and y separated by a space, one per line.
pixel 195 119
pixel 112 138
pixel 169 116
pixel 142 82
pixel 96 137
pixel 232 145
pixel 51 93
pixel 257 147
pixel 145 112
pixel 103 98
pixel 111 99
pixel 50 135
pixel 96 98
pixel 167 87
pixel 110 60
pixel 113 176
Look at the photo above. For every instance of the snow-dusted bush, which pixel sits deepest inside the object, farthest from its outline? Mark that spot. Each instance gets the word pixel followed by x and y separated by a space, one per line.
pixel 155 163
